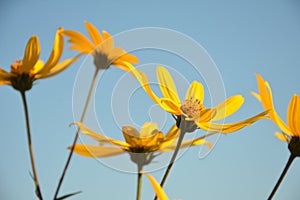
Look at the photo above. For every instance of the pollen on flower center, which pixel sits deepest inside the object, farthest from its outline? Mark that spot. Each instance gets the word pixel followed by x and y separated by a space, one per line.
pixel 191 107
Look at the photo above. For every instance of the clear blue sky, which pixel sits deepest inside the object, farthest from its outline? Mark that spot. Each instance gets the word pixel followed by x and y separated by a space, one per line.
pixel 242 38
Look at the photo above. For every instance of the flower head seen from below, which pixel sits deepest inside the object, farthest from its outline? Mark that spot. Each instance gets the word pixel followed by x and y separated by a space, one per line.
pixel 290 131
pixel 25 71
pixel 190 113
pixel 101 47
pixel 139 144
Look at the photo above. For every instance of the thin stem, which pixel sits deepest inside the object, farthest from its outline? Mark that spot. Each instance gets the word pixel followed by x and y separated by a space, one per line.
pixel 35 177
pixel 139 184
pixel 180 139
pixel 288 164
pixel 91 90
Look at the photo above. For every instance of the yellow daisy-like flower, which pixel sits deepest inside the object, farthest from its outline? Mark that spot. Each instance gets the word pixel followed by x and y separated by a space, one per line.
pixel 25 71
pixel 148 140
pixel 101 47
pixel 291 130
pixel 192 111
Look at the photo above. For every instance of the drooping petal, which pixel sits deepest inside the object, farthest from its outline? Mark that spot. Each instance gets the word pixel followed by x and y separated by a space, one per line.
pixel 58 68
pixel 267 102
pixel 157 188
pixel 282 137
pixel 228 128
pixel 293 116
pixel 31 55
pixel 93 33
pixel 127 58
pixel 186 144
pixel 57 50
pixel 79 41
pixel 173 132
pixel 195 92
pixel 96 151
pixel 99 137
pixel 4 74
pixel 206 115
pixel 228 107
pixel 143 80
pixel 166 84
pixel 256 95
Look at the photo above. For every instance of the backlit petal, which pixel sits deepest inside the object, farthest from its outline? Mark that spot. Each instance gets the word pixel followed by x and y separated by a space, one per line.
pixel 170 106
pixel 93 33
pixel 166 84
pixel 228 128
pixel 107 44
pixel 282 137
pixel 195 92
pixel 267 102
pixel 79 41
pixel 228 107
pixel 293 116
pixel 157 188
pixel 96 151
pixel 57 50
pixel 31 55
pixel 99 137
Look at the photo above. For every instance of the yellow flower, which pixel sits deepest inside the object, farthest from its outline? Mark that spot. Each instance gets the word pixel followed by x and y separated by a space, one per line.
pixel 191 110
pixel 100 47
pixel 291 130
pixel 25 71
pixel 148 140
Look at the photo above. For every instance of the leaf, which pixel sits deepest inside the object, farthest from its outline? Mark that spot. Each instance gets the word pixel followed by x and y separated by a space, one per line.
pixel 68 195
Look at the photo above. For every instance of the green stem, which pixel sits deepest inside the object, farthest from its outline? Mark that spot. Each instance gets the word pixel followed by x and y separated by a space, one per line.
pixel 180 139
pixel 288 164
pixel 35 177
pixel 139 184
pixel 91 90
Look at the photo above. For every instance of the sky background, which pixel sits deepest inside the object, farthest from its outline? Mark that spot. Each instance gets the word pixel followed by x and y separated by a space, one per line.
pixel 241 37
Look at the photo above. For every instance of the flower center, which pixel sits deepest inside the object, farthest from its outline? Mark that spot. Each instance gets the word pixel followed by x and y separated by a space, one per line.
pixel 20 81
pixel 191 107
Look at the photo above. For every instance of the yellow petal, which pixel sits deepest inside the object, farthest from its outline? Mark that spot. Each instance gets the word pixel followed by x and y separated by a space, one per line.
pixel 57 50
pixel 282 137
pixel 148 129
pixel 127 58
pixel 79 41
pixel 31 55
pixel 157 188
pixel 143 80
pixel 4 74
pixel 267 102
pixel 58 68
pixel 256 95
pixel 195 92
pixel 186 144
pixel 228 128
pixel 107 44
pixel 96 151
pixel 293 116
pixel 99 137
pixel 93 33
pixel 228 107
pixel 170 106
pixel 206 115
pixel 167 85
pixel 5 82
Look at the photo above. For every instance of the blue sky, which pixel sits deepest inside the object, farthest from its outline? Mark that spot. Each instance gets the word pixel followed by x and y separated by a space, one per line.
pixel 242 38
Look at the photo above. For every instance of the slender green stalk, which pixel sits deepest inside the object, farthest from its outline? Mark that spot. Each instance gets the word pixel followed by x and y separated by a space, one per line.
pixel 139 184
pixel 35 176
pixel 288 164
pixel 91 90
pixel 180 139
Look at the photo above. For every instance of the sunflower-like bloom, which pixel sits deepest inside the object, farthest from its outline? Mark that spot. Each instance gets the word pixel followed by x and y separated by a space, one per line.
pixel 291 130
pixel 191 113
pixel 101 47
pixel 138 144
pixel 25 71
